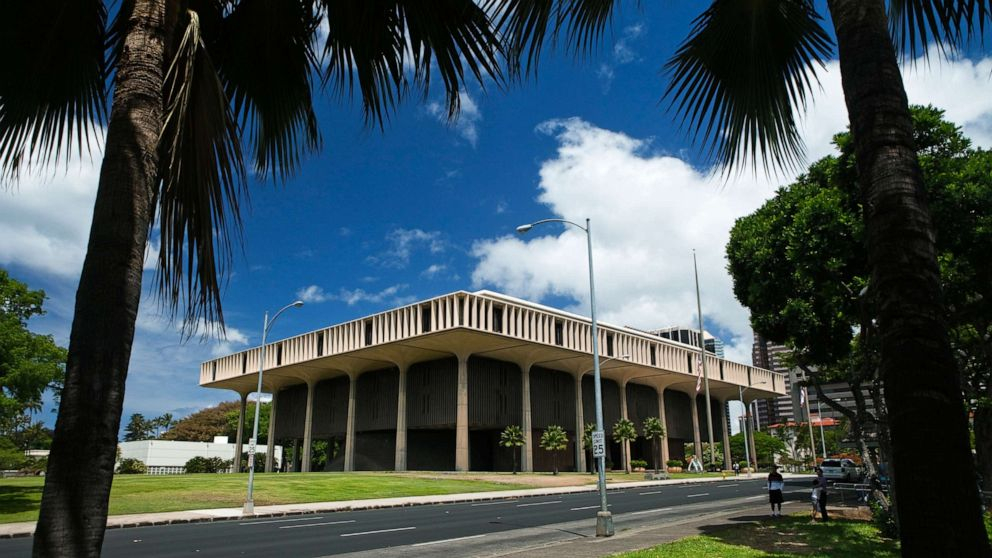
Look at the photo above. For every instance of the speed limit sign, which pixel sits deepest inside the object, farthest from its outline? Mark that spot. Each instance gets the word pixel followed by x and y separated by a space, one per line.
pixel 598 444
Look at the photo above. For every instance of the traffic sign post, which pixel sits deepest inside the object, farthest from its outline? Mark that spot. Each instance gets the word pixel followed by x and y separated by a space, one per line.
pixel 598 444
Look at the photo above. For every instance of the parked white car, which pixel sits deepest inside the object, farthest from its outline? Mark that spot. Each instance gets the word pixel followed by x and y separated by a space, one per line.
pixel 843 470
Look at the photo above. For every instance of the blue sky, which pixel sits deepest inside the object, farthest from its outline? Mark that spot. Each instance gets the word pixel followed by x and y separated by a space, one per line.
pixel 425 207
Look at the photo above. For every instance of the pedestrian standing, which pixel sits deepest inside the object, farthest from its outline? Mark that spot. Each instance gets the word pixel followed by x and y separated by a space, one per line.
pixel 737 469
pixel 821 484
pixel 775 485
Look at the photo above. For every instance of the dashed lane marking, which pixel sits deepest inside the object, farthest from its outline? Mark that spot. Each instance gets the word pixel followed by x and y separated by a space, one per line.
pixel 317 524
pixel 377 531
pixel 538 504
pixel 308 518
pixel 448 540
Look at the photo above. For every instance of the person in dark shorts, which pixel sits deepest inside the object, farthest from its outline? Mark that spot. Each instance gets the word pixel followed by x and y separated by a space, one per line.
pixel 775 485
pixel 821 483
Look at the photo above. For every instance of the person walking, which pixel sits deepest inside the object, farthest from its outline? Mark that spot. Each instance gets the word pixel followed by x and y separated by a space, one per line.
pixel 775 485
pixel 821 484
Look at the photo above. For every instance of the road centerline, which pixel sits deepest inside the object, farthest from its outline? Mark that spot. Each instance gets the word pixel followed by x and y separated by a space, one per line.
pixel 655 510
pixel 309 518
pixel 697 495
pixel 649 493
pixel 538 504
pixel 317 524
pixel 376 531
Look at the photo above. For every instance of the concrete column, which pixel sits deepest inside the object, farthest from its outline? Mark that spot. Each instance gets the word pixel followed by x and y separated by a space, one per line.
pixel 580 454
pixel 665 456
pixel 623 413
pixel 461 416
pixel 750 441
pixel 240 440
pixel 349 441
pixel 271 446
pixel 308 428
pixel 400 464
pixel 294 465
pixel 527 460
pixel 695 427
pixel 727 462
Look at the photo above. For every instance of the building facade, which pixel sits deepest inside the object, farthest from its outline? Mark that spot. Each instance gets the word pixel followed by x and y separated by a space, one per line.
pixel 431 385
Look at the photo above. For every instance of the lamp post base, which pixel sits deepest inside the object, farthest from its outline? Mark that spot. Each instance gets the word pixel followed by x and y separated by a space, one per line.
pixel 249 508
pixel 604 524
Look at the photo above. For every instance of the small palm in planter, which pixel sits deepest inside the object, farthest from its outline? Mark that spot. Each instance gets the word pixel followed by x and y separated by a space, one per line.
pixel 554 440
pixel 624 431
pixel 513 438
pixel 587 446
pixel 654 431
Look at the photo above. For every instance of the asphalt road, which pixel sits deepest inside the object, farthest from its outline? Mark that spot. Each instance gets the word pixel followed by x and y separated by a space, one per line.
pixel 423 527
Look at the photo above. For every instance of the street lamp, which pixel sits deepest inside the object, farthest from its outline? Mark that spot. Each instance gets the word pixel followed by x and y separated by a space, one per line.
pixel 249 508
pixel 604 519
pixel 747 411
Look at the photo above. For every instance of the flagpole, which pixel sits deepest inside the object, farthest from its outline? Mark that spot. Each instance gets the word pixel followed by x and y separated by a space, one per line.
pixel 809 419
pixel 702 357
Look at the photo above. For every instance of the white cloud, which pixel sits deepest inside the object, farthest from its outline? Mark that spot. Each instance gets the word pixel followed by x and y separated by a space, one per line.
pixel 649 210
pixel 402 243
pixel 623 53
pixel 311 293
pixel 433 270
pixel 467 121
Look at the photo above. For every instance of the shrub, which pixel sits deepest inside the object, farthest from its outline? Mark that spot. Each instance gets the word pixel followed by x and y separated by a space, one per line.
pixel 881 516
pixel 673 463
pixel 638 463
pixel 259 462
pixel 129 466
pixel 207 465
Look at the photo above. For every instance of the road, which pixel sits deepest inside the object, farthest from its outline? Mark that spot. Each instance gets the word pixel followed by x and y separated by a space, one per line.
pixel 424 529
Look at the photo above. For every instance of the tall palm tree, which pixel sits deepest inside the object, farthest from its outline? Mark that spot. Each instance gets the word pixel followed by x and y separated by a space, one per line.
pixel 738 80
pixel 198 88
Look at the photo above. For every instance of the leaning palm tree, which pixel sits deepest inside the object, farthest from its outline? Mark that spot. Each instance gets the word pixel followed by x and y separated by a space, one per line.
pixel 201 89
pixel 737 82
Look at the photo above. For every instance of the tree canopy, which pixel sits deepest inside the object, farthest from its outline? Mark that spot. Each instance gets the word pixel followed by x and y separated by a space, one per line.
pixel 220 420
pixel 30 362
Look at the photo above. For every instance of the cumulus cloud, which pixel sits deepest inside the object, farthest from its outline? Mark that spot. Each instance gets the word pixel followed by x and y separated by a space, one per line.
pixel 390 295
pixel 433 270
pixel 466 124
pixel 623 53
pixel 311 294
pixel 650 209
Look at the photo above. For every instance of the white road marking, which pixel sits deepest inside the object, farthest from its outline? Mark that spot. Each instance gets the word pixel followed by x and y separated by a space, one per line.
pixel 652 492
pixel 448 540
pixel 725 485
pixel 493 503
pixel 538 504
pixel 589 507
pixel 317 524
pixel 755 497
pixel 378 531
pixel 308 518
pixel 656 510
pixel 698 495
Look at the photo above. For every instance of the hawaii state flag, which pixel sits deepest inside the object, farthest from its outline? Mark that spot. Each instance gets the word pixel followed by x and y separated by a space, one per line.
pixel 699 373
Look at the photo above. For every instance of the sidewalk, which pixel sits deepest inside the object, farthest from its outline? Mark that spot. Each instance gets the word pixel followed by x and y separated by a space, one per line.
pixel 26 528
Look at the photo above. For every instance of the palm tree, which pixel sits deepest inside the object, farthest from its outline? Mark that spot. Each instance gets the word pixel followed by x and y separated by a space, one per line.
pixel 623 432
pixel 737 82
pixel 655 432
pixel 554 439
pixel 587 431
pixel 187 77
pixel 512 437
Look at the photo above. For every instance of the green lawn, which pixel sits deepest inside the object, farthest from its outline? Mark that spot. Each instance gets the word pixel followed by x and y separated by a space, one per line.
pixel 21 497
pixel 781 538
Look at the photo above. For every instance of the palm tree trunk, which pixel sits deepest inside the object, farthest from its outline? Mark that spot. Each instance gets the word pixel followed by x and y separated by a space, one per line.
pixel 81 465
pixel 939 514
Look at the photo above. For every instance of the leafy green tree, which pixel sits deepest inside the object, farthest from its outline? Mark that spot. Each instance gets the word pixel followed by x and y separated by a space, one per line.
pixel 30 363
pixel 219 420
pixel 263 422
pixel 199 464
pixel 11 456
pixel 654 431
pixel 624 431
pixel 587 431
pixel 512 437
pixel 765 445
pixel 162 424
pixel 554 439
pixel 138 428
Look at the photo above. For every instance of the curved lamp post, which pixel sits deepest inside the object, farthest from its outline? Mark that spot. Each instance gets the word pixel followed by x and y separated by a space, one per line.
pixel 747 412
pixel 249 508
pixel 604 519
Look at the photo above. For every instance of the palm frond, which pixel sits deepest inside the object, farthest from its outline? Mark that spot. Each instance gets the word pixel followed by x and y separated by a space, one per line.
pixel 946 24
pixel 52 80
pixel 266 58
pixel 741 75
pixel 526 24
pixel 376 43
pixel 202 179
